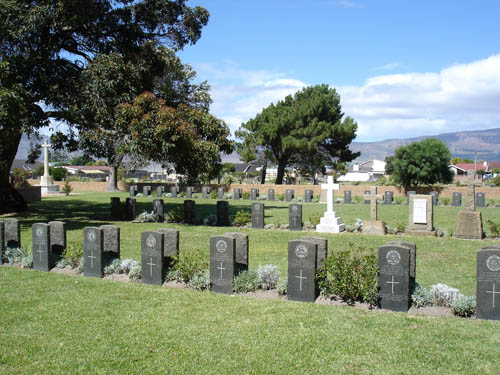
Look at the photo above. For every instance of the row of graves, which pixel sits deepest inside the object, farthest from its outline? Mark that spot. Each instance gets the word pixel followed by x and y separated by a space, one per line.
pixel 229 255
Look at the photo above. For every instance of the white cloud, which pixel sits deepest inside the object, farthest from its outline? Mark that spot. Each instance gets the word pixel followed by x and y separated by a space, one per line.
pixel 389 66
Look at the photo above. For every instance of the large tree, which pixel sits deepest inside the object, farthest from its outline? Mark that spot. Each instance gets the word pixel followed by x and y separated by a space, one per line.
pixel 421 163
pixel 45 46
pixel 308 123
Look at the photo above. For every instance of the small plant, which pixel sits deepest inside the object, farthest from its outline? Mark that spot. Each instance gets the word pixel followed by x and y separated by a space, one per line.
pixel 113 267
pixel 401 227
pixel 72 254
pixel 421 297
pixel 242 218
pixel 210 220
pixel 175 215
pixel 200 281
pixel 357 199
pixel 67 188
pixel 213 194
pixel 314 219
pixel 445 201
pixel 400 200
pixel 189 263
pixel 15 254
pixel 245 195
pixel 280 197
pixel 246 281
pixel 147 217
pixel 27 261
pixel 444 295
pixel 268 276
pixel 135 273
pixel 283 287
pixel 494 228
pixel 464 306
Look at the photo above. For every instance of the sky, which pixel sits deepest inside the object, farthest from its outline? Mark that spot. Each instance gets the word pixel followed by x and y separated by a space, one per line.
pixel 402 68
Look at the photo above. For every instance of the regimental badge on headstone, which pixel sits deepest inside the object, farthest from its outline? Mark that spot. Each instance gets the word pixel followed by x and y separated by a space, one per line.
pixel 152 259
pixel 93 254
pixel 302 259
pixel 42 260
pixel 222 263
pixel 488 283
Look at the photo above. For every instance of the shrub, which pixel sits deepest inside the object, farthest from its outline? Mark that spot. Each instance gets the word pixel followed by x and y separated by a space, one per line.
pixel 73 253
pixel 350 274
pixel 279 197
pixel 496 180
pixel 315 219
pixel 147 217
pixel 175 215
pixel 268 276
pixel 27 261
pixel 210 220
pixel 113 267
pixel 444 295
pixel 213 194
pixel 135 273
pixel 400 200
pixel 401 227
pixel 67 188
pixel 189 263
pixel 245 195
pixel 200 281
pixel 283 287
pixel 464 306
pixel 494 228
pixel 421 297
pixel 242 217
pixel 357 199
pixel 58 173
pixel 246 281
pixel 445 201
pixel 15 254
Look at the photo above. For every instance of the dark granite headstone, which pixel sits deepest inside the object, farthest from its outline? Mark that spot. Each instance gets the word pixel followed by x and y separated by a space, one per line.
pixel 457 199
pixel 435 197
pixel 237 194
pixel 270 195
pixel 152 258
pixel 159 191
pixel 394 277
pixel 170 245
pixel 93 254
pixel 302 260
pixel 189 211
pixel 308 195
pixel 2 244
pixel 133 191
pixel 254 193
pixel 12 233
pixel 488 283
pixel 222 213
pixel 289 195
pixel 347 196
pixel 241 252
pixel 116 208
pixel 146 191
pixel 42 259
pixel 189 192
pixel 408 196
pixel 222 263
pixel 413 260
pixel 158 210
pixel 111 241
pixel 258 215
pixel 322 248
pixel 220 193
pixel 57 239
pixel 205 191
pixel 173 191
pixel 367 197
pixel 130 204
pixel 389 197
pixel 480 199
pixel 295 217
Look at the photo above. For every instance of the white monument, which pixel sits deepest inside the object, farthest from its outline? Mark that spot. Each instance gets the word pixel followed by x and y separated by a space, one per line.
pixel 330 222
pixel 46 181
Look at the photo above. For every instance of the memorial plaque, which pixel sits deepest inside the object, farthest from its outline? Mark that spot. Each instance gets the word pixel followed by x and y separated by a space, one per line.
pixel 205 191
pixel 457 199
pixel 189 211
pixel 12 233
pixel 254 193
pixel 237 194
pixel 366 195
pixel 389 197
pixel 130 204
pixel 2 243
pixel 222 213
pixel 289 195
pixel 420 211
pixel 42 260
pixel 111 241
pixel 488 283
pixel 394 277
pixel 295 217
pixel 158 210
pixel 469 225
pixel 170 244
pixel 258 215
pixel 435 197
pixel 116 208
pixel 146 191
pixel 159 191
pixel 421 215
pixel 308 196
pixel 220 193
pixel 480 199
pixel 57 239
pixel 93 254
pixel 222 263
pixel 189 192
pixel 302 260
pixel 347 196
pixel 152 259
pixel 241 254
pixel 270 195
pixel 173 191
pixel 408 194
pixel 133 191
pixel 322 248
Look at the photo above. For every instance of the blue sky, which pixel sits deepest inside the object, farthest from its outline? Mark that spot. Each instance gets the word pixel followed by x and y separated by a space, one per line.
pixel 402 68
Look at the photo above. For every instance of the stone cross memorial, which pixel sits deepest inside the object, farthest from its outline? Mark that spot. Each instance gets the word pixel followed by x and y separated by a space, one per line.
pixel 457 199
pixel 374 226
pixel 130 204
pixel 289 195
pixel 241 255
pixel 110 241
pixel 488 283
pixel 394 277
pixel 254 193
pixel 222 263
pixel 421 215
pixel 189 192
pixel 57 238
pixel 42 259
pixel 258 215
pixel 205 191
pixel 46 182
pixel 220 193
pixel 347 196
pixel 295 217
pixel 330 222
pixel 389 197
pixel 270 195
pixel 222 213
pixel 189 211
pixel 12 233
pixel 152 258
pixel 2 244
pixel 469 221
pixel 302 260
pixel 93 254
pixel 116 208
pixel 308 195
pixel 158 210
pixel 480 200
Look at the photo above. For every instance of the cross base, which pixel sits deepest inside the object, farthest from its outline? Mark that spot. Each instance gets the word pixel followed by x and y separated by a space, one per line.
pixel 330 223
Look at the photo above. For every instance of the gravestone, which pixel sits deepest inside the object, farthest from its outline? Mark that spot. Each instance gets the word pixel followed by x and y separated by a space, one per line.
pixel 42 259
pixel 130 204
pixel 189 211
pixel 330 222
pixel 116 208
pixel 394 277
pixel 12 233
pixel 258 215
pixel 159 191
pixel 322 248
pixel 308 195
pixel 133 191
pixel 146 191
pixel 295 217
pixel 158 210
pixel 237 194
pixel 58 240
pixel 374 225
pixel 347 196
pixel 189 192
pixel 152 259
pixel 170 245
pixel 408 194
pixel 435 197
pixel 457 199
pixel 270 195
pixel 110 241
pixel 413 260
pixel 302 260
pixel 220 193
pixel 289 195
pixel 366 195
pixel 93 254
pixel 389 197
pixel 2 244
pixel 488 283
pixel 173 191
pixel 254 193
pixel 241 252
pixel 205 191
pixel 421 215
pixel 480 199
pixel 222 263
pixel 222 213
pixel 469 221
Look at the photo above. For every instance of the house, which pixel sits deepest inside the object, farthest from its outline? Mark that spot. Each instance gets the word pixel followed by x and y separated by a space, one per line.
pixel 370 170
pixel 460 169
pixel 88 171
pixel 23 164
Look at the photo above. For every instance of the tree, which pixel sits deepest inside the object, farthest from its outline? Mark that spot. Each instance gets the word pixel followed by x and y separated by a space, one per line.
pixel 422 163
pixel 455 161
pixel 45 46
pixel 81 160
pixel 389 167
pixel 289 132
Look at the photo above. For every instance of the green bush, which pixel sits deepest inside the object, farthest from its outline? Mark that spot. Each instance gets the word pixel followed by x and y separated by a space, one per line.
pixel 67 188
pixel 213 194
pixel 175 215
pixel 246 281
pixel 496 180
pixel 494 228
pixel 73 254
pixel 350 274
pixel 400 200
pixel 279 197
pixel 315 219
pixel 189 263
pixel 401 227
pixel 464 306
pixel 242 217
pixel 58 173
pixel 245 195
pixel 445 201
pixel 357 199
pixel 200 281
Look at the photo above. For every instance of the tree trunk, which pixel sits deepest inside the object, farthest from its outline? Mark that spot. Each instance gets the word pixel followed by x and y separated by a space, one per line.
pixel 280 174
pixel 10 199
pixel 263 173
pixel 113 178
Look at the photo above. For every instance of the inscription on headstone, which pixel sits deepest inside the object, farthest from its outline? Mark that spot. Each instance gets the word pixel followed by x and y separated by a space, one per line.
pixel 241 254
pixel 220 193
pixel 347 196
pixel 270 195
pixel 189 192
pixel 308 195
pixel 12 233
pixel 469 225
pixel 42 260
pixel 302 260
pixel 488 283
pixel 93 254
pixel 189 211
pixel 222 213
pixel 413 260
pixel 457 199
pixel 116 208
pixel 254 193
pixel 158 210
pixel 289 195
pixel 480 199
pixel 152 259
pixel 222 263
pixel 389 197
pixel 130 204
pixel 57 239
pixel 295 217
pixel 257 215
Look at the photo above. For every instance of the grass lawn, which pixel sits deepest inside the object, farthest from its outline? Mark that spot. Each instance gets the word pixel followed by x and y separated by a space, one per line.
pixel 53 323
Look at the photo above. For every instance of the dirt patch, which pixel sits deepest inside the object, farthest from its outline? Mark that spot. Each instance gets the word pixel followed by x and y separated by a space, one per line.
pixel 118 277
pixel 264 294
pixel 175 285
pixel 66 271
pixel 431 311
pixel 335 301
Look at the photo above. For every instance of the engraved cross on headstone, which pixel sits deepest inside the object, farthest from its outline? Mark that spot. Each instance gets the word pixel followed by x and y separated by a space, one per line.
pixel 300 277
pixel 40 254
pixel 392 282
pixel 221 269
pixel 492 292
pixel 92 257
pixel 151 264
pixel 330 186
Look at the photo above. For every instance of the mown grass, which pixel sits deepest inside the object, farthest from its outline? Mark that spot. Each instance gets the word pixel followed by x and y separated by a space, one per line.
pixel 61 324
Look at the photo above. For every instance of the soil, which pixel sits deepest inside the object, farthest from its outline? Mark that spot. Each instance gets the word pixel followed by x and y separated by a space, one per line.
pixel 66 271
pixel 118 277
pixel 175 285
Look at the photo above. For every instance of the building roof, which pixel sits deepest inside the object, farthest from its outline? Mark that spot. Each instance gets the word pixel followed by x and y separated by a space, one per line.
pixel 470 166
pixel 23 164
pixel 85 168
